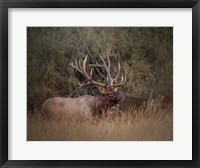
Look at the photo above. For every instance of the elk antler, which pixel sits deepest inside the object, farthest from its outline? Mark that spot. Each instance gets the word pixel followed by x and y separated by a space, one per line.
pixel 112 82
pixel 83 71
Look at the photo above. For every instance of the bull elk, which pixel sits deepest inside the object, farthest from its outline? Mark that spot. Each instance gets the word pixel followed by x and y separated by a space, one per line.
pixel 88 104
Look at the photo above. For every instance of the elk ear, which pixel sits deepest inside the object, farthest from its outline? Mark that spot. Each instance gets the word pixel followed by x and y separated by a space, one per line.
pixel 102 90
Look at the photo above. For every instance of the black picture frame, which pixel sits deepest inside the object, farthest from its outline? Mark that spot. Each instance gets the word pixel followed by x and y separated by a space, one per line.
pixel 4 98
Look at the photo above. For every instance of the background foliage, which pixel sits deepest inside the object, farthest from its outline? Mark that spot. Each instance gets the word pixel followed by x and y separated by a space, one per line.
pixel 145 54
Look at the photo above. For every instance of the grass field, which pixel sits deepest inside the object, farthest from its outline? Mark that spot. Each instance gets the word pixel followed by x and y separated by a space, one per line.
pixel 153 121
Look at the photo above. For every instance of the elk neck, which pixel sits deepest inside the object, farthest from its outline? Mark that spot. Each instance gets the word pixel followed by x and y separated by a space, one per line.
pixel 107 101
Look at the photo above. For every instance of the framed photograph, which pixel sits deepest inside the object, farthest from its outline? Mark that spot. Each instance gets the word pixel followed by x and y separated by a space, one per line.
pixel 104 84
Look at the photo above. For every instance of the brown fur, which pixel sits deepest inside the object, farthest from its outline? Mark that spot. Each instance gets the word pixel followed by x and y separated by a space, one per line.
pixel 81 106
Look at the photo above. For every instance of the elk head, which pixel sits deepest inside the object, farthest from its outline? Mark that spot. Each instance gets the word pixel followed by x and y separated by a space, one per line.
pixel 110 95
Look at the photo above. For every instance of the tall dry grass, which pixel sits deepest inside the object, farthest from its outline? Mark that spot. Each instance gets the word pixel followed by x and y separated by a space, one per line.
pixel 153 121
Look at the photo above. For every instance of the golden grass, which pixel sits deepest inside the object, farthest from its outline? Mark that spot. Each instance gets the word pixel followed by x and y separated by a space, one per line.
pixel 153 121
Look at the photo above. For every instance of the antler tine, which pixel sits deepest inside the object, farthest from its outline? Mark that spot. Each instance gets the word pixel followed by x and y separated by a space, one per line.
pixel 100 73
pixel 108 60
pixel 79 64
pixel 83 84
pixel 91 73
pixel 123 80
pixel 102 60
pixel 76 66
pixel 84 69
pixel 118 72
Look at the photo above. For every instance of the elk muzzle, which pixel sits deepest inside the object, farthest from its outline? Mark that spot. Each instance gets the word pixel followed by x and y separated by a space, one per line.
pixel 120 96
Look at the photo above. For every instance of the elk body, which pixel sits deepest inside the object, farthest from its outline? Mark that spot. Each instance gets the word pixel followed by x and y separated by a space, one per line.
pixel 87 105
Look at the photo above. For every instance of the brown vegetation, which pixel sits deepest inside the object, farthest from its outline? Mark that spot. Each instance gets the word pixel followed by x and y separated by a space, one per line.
pixel 153 121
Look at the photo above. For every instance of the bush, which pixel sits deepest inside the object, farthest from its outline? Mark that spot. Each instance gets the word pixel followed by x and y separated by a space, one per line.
pixel 145 54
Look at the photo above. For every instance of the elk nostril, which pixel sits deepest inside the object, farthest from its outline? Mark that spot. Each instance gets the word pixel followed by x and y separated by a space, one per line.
pixel 121 96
